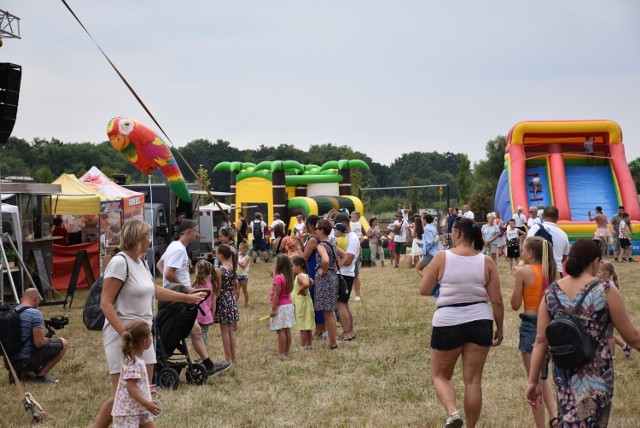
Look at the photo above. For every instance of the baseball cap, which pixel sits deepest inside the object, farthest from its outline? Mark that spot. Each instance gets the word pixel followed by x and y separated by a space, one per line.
pixel 340 228
pixel 399 214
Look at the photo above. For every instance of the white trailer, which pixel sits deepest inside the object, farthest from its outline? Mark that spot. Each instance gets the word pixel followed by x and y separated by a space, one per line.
pixel 210 221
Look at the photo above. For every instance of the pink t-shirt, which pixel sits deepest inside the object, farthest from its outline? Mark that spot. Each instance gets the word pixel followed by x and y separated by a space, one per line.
pixel 284 298
pixel 207 318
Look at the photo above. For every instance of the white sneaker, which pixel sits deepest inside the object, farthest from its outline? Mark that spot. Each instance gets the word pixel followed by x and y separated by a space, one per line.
pixel 357 299
pixel 454 421
pixel 325 335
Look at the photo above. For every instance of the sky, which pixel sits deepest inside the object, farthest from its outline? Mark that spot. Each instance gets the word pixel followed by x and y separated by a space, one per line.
pixel 383 77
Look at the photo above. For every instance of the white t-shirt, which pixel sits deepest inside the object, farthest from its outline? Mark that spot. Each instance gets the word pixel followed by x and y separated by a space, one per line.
pixel 401 234
pixel 134 301
pixel 560 241
pixel 243 270
pixel 273 226
pixel 588 146
pixel 299 229
pixel 533 221
pixel 176 257
pixel 512 233
pixel 353 247
pixel 469 215
pixel 520 219
pixel 356 228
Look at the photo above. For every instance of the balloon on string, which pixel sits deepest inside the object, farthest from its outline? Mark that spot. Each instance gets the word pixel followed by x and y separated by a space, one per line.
pixel 148 152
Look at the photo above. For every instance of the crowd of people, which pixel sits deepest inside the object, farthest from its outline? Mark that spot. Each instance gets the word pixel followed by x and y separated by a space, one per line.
pixel 316 269
pixel 551 278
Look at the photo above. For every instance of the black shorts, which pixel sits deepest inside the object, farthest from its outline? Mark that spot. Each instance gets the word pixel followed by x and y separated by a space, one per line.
pixel 260 245
pixel 479 332
pixel 349 281
pixel 624 243
pixel 400 247
pixel 513 252
pixel 41 356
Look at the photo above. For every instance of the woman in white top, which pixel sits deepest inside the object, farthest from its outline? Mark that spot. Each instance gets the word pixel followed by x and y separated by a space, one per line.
pixel 126 298
pixel 417 230
pixel 463 322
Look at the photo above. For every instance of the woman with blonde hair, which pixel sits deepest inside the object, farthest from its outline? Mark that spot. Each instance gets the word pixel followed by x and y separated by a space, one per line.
pixel 128 291
pixel 530 282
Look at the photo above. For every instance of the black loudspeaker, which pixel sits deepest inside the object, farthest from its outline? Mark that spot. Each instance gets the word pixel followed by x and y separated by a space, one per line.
pixel 10 75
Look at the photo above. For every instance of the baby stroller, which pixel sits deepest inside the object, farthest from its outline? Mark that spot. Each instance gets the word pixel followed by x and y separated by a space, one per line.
pixel 172 325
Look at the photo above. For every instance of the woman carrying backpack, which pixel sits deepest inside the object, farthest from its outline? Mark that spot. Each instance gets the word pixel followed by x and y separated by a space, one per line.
pixel 584 392
pixel 127 294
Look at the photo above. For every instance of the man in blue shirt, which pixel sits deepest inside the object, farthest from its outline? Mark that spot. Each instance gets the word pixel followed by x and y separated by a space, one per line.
pixel 39 354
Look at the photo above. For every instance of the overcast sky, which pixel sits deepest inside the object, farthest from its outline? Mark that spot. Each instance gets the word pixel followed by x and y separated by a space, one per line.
pixel 384 77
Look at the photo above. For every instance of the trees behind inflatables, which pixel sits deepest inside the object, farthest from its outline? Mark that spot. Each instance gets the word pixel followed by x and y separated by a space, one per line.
pixel 290 188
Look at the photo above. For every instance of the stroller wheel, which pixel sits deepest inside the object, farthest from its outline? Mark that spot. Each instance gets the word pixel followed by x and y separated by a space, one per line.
pixel 196 374
pixel 168 378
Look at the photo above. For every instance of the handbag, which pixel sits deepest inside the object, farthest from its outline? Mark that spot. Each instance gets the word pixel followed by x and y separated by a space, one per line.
pixel 343 290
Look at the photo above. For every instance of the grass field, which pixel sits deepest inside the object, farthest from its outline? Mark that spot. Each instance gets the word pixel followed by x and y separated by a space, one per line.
pixel 382 380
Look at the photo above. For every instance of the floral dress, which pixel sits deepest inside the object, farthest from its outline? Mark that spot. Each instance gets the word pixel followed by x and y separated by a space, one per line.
pixel 326 286
pixel 585 394
pixel 226 305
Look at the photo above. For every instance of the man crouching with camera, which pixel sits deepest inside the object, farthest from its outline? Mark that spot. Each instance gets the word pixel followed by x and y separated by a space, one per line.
pixel 39 352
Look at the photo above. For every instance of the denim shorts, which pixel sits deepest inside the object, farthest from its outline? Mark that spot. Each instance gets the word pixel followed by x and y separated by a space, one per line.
pixel 426 259
pixel 528 330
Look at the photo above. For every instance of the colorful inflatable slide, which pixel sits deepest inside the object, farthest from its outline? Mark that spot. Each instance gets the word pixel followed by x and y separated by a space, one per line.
pixel 574 165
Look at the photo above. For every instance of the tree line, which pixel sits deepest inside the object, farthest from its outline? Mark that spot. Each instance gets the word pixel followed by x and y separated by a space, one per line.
pixel 471 183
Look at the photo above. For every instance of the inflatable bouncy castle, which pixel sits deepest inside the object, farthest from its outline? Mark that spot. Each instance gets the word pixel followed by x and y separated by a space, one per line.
pixel 574 165
pixel 289 188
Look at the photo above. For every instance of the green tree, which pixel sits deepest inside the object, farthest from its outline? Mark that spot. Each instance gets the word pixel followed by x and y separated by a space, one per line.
pixel 489 169
pixel 413 194
pixel 481 200
pixel 44 175
pixel 203 175
pixel 464 179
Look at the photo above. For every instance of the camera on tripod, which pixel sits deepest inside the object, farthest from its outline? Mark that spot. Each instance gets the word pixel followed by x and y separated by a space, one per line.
pixel 55 323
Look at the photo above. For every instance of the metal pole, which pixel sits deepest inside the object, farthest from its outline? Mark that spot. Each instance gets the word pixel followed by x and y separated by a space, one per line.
pixel 153 220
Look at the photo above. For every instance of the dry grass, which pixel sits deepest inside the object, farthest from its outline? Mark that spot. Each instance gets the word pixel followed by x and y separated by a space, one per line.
pixel 383 380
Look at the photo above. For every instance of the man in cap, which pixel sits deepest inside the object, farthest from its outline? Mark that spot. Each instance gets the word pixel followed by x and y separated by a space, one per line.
pixel 174 266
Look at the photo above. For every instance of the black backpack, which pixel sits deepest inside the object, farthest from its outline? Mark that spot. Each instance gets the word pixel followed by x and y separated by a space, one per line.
pixel 544 233
pixel 92 315
pixel 256 230
pixel 570 345
pixel 11 330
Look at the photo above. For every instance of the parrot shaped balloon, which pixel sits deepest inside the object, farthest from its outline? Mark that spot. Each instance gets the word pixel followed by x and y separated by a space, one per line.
pixel 147 152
